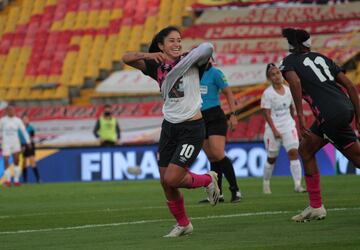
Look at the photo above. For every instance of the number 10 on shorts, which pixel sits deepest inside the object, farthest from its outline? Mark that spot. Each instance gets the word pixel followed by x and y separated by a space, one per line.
pixel 187 150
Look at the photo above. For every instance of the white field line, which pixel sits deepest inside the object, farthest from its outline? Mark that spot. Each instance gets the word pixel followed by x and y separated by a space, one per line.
pixel 161 220
pixel 93 211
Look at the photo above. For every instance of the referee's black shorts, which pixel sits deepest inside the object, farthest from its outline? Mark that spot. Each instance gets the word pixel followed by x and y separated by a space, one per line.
pixel 28 151
pixel 215 121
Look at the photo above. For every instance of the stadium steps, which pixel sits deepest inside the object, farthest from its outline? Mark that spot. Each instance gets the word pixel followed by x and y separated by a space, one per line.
pixel 83 98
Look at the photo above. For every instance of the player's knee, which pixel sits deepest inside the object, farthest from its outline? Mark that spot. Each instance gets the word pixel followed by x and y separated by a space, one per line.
pixel 170 182
pixel 215 155
pixel 293 154
pixel 304 152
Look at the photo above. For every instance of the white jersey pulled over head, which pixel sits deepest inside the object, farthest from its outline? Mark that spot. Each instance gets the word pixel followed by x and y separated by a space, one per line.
pixel 280 108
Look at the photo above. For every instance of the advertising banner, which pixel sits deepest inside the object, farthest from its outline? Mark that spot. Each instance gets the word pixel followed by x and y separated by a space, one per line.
pixel 106 164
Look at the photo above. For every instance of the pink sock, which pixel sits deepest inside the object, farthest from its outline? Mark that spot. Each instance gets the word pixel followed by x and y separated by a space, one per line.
pixel 313 188
pixel 177 209
pixel 202 180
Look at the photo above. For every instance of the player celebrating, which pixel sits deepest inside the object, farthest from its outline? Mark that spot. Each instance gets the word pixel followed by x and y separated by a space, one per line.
pixel 314 77
pixel 280 128
pixel 183 131
pixel 9 127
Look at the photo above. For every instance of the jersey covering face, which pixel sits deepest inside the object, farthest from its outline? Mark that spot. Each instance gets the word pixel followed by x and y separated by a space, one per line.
pixel 317 74
pixel 280 108
pixel 184 99
pixel 179 82
pixel 9 127
pixel 212 81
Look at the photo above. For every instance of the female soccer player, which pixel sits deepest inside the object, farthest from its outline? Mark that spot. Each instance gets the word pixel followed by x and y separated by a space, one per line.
pixel 314 77
pixel 280 128
pixel 9 127
pixel 183 130
pixel 212 81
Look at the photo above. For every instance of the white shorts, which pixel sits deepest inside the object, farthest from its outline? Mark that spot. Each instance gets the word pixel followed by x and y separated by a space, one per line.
pixel 10 148
pixel 289 140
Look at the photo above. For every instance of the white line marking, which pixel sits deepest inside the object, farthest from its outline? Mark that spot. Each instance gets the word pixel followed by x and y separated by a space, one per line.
pixel 93 211
pixel 162 220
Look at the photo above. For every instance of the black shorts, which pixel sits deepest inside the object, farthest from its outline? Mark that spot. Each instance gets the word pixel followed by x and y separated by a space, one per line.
pixel 215 121
pixel 28 151
pixel 180 143
pixel 338 130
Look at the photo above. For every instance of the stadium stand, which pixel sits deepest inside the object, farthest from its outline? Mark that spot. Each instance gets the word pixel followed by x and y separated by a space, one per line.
pixel 49 49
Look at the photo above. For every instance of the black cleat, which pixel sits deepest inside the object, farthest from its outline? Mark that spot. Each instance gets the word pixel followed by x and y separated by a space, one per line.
pixel 236 197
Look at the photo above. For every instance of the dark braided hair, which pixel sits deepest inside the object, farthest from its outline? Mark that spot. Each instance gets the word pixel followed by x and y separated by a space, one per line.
pixel 295 38
pixel 160 37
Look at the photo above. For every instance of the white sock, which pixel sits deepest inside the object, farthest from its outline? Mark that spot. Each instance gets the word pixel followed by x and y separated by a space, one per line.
pixel 17 173
pixel 268 169
pixel 295 168
pixel 7 175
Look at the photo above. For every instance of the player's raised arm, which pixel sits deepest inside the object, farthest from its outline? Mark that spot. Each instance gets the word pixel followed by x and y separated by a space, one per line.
pixel 137 59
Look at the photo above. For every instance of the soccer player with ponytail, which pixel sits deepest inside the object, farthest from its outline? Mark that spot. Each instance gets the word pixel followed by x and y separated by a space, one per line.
pixel 183 130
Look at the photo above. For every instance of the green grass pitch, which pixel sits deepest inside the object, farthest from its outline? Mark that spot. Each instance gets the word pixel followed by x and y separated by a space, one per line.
pixel 133 215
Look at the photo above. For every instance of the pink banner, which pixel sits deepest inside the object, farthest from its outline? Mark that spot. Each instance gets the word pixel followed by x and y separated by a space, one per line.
pixel 263 58
pixel 240 46
pixel 210 4
pixel 237 31
pixel 133 110
pixel 288 14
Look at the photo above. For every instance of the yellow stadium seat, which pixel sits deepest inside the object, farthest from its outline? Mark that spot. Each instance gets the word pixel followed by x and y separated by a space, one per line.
pixel 11 94
pixel 12 19
pixel 24 94
pixel 116 14
pixel 176 11
pixel 93 18
pixel 149 29
pixel 104 19
pixel 2 92
pixel 2 61
pixel 81 19
pixel 51 2
pixel 48 94
pixel 38 7
pixel 61 92
pixel 187 11
pixel 29 80
pixel 69 21
pixel 109 48
pixel 2 24
pixel 36 94
pixel 41 79
pixel 53 79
